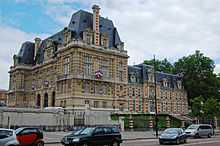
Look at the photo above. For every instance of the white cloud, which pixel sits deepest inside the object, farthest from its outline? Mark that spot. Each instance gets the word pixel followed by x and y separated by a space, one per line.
pixel 217 68
pixel 59 11
pixel 171 28
pixel 10 43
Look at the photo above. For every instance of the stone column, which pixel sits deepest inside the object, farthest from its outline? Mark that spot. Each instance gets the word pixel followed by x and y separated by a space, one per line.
pixel 151 123
pixel 183 124
pixel 131 123
pixel 121 122
pixel 167 122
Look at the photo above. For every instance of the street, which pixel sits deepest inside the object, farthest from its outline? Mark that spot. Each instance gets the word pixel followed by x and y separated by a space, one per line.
pixel 215 141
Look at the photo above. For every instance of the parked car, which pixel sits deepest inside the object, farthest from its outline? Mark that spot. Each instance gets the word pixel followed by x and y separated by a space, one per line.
pixel 94 136
pixel 8 137
pixel 2 104
pixel 200 130
pixel 28 136
pixel 173 135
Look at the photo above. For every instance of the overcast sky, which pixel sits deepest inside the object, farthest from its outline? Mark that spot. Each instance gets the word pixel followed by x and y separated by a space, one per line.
pixel 167 28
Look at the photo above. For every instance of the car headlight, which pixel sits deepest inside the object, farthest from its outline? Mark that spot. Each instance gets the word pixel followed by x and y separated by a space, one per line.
pixel 76 140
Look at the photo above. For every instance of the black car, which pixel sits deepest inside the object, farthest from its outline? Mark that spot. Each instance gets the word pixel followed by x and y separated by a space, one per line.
pixel 94 136
pixel 173 135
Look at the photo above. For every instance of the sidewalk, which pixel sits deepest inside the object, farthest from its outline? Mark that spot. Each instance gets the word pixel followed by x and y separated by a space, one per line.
pixel 55 137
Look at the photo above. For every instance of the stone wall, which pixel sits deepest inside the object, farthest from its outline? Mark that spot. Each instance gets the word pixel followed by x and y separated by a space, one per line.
pixel 54 120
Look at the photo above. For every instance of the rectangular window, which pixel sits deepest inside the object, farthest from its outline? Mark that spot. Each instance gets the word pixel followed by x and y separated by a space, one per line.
pixel 104 104
pixel 66 65
pixel 134 105
pixel 86 101
pixel 104 67
pixel 96 104
pixel 120 75
pixel 88 65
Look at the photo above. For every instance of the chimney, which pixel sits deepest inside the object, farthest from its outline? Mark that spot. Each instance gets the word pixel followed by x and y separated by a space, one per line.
pixel 37 46
pixel 96 24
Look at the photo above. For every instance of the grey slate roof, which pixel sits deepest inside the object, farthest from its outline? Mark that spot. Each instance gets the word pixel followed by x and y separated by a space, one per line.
pixel 80 21
pixel 26 53
pixel 141 72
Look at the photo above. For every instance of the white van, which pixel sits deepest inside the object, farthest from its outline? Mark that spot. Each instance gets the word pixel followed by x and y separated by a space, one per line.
pixel 54 109
pixel 200 130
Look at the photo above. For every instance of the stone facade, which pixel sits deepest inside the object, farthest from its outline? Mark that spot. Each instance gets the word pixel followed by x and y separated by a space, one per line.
pixel 84 64
pixel 3 96
pixel 171 96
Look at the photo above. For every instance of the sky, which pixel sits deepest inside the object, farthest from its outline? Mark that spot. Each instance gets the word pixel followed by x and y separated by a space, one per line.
pixel 167 28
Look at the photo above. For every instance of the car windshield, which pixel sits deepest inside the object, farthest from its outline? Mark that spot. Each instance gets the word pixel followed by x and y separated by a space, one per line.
pixel 18 130
pixel 87 131
pixel 171 131
pixel 77 132
pixel 193 127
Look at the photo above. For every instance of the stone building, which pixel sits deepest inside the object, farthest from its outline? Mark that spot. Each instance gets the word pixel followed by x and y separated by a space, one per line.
pixel 3 97
pixel 171 96
pixel 83 64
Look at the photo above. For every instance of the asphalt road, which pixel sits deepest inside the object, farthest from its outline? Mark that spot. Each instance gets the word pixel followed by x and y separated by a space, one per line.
pixel 215 141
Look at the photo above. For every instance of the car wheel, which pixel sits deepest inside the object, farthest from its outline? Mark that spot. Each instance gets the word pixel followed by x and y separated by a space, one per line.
pixel 116 144
pixel 197 135
pixel 40 144
pixel 209 135
pixel 177 141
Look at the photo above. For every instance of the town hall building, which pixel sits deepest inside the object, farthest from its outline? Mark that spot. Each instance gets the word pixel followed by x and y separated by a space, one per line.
pixel 85 64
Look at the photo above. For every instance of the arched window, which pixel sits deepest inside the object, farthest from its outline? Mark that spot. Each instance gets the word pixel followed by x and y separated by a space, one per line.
pixel 46 100
pixel 53 98
pixel 38 101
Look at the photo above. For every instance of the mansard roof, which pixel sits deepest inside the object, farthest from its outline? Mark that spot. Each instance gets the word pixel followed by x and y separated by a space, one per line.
pixel 79 22
pixel 26 53
pixel 142 71
pixel 82 20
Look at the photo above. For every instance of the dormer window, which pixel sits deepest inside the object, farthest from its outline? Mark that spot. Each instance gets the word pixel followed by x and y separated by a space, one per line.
pixel 151 78
pixel 165 82
pixel 179 84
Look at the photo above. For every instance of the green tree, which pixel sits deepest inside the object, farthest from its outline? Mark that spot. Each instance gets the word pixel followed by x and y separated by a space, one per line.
pixel 199 79
pixel 161 65
pixel 211 108
pixel 197 106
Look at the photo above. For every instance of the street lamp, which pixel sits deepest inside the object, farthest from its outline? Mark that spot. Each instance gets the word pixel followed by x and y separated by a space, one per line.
pixel 155 98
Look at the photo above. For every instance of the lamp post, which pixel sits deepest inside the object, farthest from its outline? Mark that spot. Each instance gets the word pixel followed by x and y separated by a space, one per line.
pixel 155 98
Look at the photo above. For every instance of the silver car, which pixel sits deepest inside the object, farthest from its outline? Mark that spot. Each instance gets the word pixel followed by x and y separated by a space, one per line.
pixel 8 137
pixel 199 130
